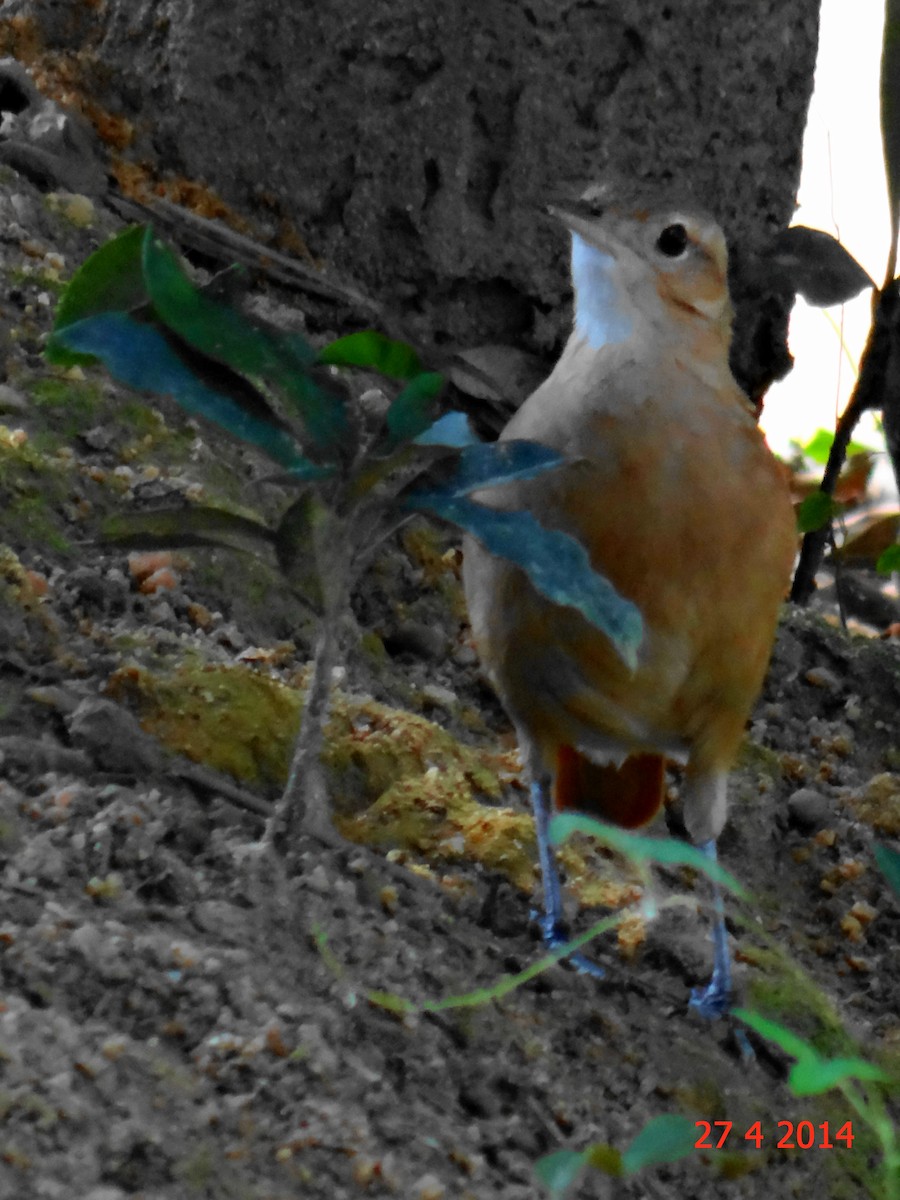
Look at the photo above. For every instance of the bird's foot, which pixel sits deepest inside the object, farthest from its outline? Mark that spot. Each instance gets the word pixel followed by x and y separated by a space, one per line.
pixel 712 1001
pixel 554 938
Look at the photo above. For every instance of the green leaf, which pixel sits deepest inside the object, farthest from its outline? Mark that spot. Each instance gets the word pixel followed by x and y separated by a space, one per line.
pixel 209 324
pixel 451 430
pixel 812 1076
pixel 665 1139
pixel 246 345
pixel 373 351
pixel 509 983
pixel 556 564
pixel 560 1170
pixel 605 1158
pixel 641 849
pixel 488 464
pixel 890 108
pixel 816 511
pixel 812 1073
pixel 111 280
pixel 889 862
pixel 198 525
pixel 889 560
pixel 142 357
pixel 818 448
pixel 411 411
pixel 390 1001
pixel 789 1041
pixel 299 529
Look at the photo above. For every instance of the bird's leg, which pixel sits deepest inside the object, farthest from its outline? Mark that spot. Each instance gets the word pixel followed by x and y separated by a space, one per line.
pixel 715 999
pixel 552 919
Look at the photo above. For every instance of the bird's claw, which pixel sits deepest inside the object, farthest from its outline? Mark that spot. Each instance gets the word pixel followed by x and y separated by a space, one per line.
pixel 712 1001
pixel 585 966
pixel 554 938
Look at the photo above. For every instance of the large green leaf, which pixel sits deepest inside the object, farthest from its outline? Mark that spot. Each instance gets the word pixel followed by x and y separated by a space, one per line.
pixel 556 564
pixel 142 357
pixel 246 345
pixel 451 430
pixel 411 411
pixel 817 509
pixel 374 352
pixel 295 540
pixel 485 465
pixel 488 464
pixel 199 525
pixel 111 280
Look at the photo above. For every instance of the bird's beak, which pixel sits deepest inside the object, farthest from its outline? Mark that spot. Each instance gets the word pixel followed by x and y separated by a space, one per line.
pixel 583 219
pixel 566 205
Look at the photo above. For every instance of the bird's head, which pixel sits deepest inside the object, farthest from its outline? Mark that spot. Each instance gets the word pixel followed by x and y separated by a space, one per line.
pixel 635 266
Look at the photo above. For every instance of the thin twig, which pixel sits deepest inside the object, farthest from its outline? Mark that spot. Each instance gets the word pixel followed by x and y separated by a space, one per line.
pixel 216 240
pixel 838 577
pixel 870 392
pixel 217 784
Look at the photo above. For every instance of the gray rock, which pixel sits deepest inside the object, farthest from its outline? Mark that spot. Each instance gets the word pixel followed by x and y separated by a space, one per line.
pixel 49 145
pixel 809 810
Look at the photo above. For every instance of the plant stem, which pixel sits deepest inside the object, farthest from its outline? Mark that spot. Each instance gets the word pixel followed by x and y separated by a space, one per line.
pixel 304 805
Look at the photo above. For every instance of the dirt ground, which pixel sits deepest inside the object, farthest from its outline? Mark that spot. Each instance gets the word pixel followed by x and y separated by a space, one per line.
pixel 178 1020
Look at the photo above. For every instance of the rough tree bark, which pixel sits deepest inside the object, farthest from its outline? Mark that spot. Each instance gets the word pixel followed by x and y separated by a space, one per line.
pixel 411 142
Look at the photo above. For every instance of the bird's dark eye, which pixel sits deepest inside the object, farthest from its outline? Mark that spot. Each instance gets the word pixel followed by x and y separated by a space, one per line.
pixel 673 241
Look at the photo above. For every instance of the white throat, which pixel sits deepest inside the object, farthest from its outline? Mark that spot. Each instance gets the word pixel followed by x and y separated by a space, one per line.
pixel 601 314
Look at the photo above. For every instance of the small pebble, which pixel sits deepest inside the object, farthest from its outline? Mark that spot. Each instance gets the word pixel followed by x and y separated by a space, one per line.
pixel 429 1187
pixel 439 697
pixel 74 207
pixel 417 638
pixel 809 809
pixel 821 677
pixel 12 400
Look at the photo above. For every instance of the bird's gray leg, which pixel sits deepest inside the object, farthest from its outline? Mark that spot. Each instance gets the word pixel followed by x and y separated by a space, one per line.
pixel 552 919
pixel 715 999
pixel 705 802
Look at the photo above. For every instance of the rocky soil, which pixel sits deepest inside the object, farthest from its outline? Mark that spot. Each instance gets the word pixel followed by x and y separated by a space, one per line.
pixel 177 1020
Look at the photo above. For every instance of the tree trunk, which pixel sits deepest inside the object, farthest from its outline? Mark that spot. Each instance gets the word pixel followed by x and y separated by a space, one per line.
pixel 412 143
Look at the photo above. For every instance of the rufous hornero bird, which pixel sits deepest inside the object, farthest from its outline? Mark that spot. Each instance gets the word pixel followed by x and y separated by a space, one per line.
pixel 679 502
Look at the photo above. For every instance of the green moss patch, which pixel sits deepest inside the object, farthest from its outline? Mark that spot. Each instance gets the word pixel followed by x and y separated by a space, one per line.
pixel 397 779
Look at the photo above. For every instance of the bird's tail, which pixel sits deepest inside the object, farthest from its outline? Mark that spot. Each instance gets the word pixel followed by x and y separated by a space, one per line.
pixel 629 795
